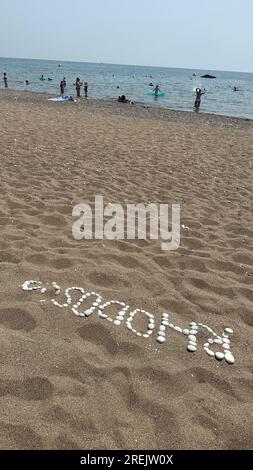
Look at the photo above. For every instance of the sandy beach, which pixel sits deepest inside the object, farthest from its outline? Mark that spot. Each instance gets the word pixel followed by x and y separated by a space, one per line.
pixel 72 383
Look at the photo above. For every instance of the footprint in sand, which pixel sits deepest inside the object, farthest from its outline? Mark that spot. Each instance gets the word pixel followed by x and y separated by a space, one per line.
pixel 17 319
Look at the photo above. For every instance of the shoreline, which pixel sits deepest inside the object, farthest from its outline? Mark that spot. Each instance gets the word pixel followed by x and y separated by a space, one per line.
pixel 138 110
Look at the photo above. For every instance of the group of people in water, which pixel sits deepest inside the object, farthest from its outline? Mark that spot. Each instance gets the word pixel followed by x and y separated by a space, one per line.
pixel 121 99
pixel 79 85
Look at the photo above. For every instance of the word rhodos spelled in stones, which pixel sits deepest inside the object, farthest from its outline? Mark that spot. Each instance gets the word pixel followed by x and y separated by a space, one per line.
pixel 128 318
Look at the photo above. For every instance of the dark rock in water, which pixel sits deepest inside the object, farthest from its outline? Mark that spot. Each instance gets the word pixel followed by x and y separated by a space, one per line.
pixel 207 76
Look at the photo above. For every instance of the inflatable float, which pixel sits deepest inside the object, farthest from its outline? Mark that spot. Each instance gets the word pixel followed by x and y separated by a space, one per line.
pixel 156 93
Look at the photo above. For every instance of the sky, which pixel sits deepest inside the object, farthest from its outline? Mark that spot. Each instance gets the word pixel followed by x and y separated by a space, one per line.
pixel 195 34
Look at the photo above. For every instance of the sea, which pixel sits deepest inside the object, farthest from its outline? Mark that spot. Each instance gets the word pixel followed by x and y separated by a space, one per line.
pixel 108 81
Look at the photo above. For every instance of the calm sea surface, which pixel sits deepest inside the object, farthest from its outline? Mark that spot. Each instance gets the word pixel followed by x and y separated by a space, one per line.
pixel 133 81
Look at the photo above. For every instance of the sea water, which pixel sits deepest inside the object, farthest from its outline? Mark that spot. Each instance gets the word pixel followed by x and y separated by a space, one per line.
pixel 107 81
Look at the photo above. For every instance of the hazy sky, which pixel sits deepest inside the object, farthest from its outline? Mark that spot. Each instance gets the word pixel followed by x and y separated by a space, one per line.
pixel 209 34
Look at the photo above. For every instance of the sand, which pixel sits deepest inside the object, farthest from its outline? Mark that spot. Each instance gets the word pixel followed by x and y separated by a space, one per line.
pixel 71 383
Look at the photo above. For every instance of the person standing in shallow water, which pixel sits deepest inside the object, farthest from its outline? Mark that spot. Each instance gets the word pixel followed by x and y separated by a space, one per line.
pixel 62 88
pixel 199 94
pixel 78 87
pixel 5 80
pixel 86 89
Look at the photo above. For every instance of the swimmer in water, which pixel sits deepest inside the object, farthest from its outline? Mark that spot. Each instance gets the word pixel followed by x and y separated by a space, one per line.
pixel 122 99
pixel 199 93
pixel 156 89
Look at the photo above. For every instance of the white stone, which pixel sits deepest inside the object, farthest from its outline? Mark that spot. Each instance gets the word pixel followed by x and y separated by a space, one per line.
pixel 186 332
pixel 165 315
pixel 193 323
pixel 161 339
pixel 145 336
pixel 178 329
pixel 206 345
pixel 130 328
pixel 226 346
pixel 229 358
pixel 192 343
pixel 103 316
pixel 229 331
pixel 117 322
pixel 209 352
pixel 195 327
pixel 162 328
pixel 218 341
pixel 165 323
pixel 192 338
pixel 43 291
pixel 210 341
pixel 89 312
pixel 161 333
pixel 226 341
pixel 193 332
pixel 151 326
pixel 191 348
pixel 120 318
pixel 219 356
pixel 75 311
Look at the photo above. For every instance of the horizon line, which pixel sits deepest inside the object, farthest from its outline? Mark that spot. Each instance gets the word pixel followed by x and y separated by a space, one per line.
pixel 128 65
